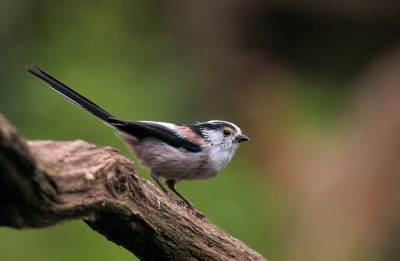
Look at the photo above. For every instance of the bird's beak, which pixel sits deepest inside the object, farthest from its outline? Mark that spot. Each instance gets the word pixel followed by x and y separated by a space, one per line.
pixel 241 138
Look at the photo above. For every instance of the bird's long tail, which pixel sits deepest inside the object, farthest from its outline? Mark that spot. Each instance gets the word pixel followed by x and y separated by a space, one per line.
pixel 72 96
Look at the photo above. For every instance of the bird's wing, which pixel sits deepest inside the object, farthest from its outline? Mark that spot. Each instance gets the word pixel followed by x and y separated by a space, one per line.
pixel 161 131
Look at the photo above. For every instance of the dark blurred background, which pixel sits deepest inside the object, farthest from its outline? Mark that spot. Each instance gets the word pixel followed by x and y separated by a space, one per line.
pixel 314 84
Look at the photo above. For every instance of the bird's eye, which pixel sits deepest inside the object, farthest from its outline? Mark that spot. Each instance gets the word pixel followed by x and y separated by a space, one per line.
pixel 227 132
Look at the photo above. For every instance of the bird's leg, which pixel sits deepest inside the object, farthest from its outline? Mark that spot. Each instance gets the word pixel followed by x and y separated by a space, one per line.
pixel 155 178
pixel 171 185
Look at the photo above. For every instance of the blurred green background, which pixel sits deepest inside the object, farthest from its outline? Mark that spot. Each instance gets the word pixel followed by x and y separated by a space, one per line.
pixel 314 85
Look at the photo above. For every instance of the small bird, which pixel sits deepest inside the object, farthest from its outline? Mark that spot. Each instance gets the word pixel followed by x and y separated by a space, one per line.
pixel 171 151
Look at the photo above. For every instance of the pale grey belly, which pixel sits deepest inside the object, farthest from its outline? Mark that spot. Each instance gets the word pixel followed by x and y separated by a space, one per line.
pixel 173 163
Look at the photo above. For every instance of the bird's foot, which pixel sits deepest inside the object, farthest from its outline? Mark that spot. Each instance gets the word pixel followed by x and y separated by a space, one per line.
pixel 180 202
pixel 196 213
pixel 200 215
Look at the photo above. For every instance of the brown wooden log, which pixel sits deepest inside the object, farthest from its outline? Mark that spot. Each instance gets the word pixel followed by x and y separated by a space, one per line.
pixel 44 183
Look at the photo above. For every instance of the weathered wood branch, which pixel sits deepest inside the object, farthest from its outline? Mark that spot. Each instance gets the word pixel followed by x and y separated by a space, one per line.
pixel 43 183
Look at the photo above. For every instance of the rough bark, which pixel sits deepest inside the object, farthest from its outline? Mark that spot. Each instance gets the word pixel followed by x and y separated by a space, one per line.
pixel 44 183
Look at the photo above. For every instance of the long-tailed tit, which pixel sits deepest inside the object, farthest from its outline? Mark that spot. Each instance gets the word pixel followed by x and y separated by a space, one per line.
pixel 174 152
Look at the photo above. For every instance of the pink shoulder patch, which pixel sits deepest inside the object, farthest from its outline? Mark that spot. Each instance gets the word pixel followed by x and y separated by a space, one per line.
pixel 187 132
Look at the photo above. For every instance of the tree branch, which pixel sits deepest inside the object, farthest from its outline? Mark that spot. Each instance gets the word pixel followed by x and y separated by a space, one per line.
pixel 43 183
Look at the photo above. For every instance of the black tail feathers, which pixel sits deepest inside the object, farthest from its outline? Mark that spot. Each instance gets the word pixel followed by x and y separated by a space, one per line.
pixel 72 96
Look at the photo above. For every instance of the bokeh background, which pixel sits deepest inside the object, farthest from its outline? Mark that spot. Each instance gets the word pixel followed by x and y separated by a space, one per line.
pixel 314 84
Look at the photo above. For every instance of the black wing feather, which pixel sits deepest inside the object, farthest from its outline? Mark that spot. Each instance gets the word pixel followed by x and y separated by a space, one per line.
pixel 142 129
